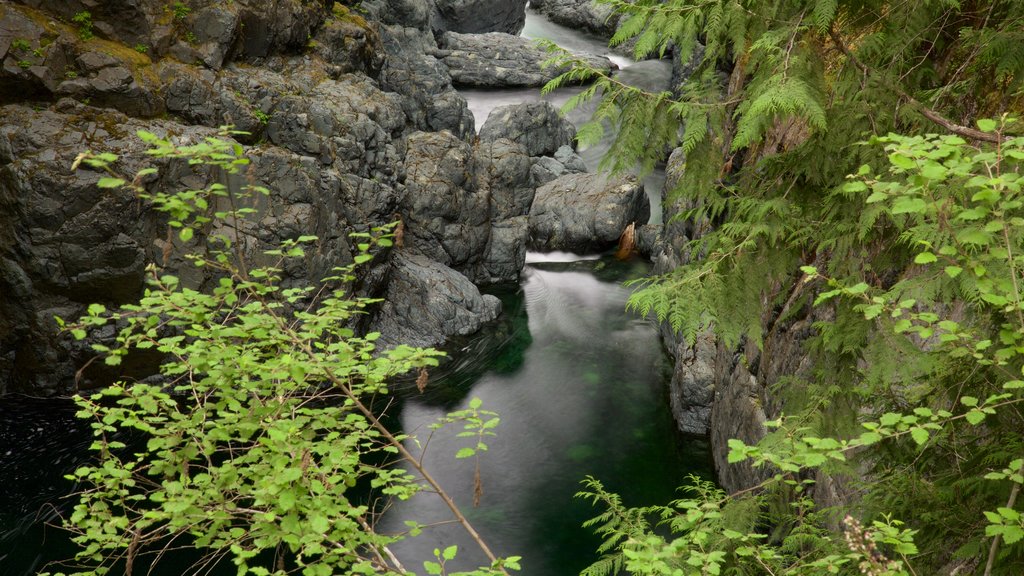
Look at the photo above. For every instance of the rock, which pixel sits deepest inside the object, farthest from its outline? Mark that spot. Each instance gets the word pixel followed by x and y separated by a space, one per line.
pixel 276 26
pixel 214 31
pixel 429 100
pixel 350 44
pixel 498 60
pixel 64 243
pixel 536 125
pixel 585 212
pixel 479 16
pixel 547 168
pixel 579 14
pixel 426 302
pixel 402 13
pixel 47 58
pixel 503 173
pixel 131 22
pixel 445 216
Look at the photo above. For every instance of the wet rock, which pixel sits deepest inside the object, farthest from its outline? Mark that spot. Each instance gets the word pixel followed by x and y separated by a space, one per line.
pixel 544 169
pixel 536 125
pixel 585 212
pixel 498 60
pixel 411 70
pixel 479 16
pixel 425 302
pixel 402 13
pixel 446 217
pixel 579 14
pixel 503 173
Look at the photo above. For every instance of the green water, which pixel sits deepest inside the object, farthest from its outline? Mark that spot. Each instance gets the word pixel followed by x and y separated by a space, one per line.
pixel 580 387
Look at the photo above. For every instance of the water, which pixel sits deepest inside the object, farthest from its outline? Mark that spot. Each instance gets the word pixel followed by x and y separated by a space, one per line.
pixel 652 75
pixel 580 387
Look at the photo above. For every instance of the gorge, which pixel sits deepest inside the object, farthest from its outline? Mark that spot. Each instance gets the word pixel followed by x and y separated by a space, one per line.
pixel 326 121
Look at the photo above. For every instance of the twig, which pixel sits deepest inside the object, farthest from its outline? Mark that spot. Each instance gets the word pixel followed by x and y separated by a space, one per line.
pixel 1010 502
pixel 925 111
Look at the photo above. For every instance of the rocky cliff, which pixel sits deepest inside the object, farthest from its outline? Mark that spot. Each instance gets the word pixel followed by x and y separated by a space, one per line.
pixel 350 119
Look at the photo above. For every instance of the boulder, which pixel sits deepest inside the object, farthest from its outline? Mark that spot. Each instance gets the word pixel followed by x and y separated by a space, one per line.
pixel 503 173
pixel 585 212
pixel 403 13
pixel 446 218
pixel 536 125
pixel 579 14
pixel 499 60
pixel 426 302
pixel 479 16
pixel 428 98
pixel 544 169
pixel 46 58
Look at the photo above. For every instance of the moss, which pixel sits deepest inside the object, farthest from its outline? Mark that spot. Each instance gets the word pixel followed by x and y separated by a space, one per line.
pixel 345 14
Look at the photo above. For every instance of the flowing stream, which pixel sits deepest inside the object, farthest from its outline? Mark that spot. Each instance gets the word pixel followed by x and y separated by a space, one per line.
pixel 579 384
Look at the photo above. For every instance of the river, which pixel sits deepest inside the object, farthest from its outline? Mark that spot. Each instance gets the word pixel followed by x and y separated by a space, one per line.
pixel 579 384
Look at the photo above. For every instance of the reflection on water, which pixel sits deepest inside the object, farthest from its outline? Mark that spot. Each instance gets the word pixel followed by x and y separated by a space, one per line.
pixel 651 75
pixel 586 398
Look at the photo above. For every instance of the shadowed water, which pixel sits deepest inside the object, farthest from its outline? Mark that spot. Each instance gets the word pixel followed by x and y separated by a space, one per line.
pixel 586 396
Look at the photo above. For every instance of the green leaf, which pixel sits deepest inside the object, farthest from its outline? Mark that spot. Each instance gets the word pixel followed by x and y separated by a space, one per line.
pixel 106 182
pixel 465 453
pixel 987 125
pixel 953 271
pixel 925 258
pixel 920 435
pixel 975 417
pixel 908 205
pixel 902 161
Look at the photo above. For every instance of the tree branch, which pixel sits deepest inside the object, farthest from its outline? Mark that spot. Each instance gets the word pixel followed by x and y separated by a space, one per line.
pixel 934 116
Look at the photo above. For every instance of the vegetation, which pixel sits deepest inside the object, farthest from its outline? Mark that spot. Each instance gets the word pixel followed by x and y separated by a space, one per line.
pixel 260 443
pixel 913 261
pixel 84 21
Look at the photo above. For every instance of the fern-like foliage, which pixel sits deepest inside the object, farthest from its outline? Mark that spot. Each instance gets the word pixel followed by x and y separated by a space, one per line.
pixel 784 124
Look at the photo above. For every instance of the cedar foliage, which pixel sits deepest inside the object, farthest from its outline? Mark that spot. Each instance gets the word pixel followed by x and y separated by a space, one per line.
pixel 788 98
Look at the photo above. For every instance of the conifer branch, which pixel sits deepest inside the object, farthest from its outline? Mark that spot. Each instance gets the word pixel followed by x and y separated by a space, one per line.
pixel 933 115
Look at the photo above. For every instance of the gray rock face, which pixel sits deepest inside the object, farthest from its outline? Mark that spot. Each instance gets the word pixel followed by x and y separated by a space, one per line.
pixel 426 301
pixel 48 59
pixel 694 373
pixel 429 100
pixel 467 209
pixel 546 168
pixel 479 16
pixel 503 173
pixel 64 243
pixel 403 13
pixel 579 14
pixel 498 60
pixel 333 134
pixel 446 218
pixel 538 126
pixel 585 212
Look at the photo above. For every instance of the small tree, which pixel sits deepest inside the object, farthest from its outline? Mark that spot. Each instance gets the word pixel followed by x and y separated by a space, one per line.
pixel 258 441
